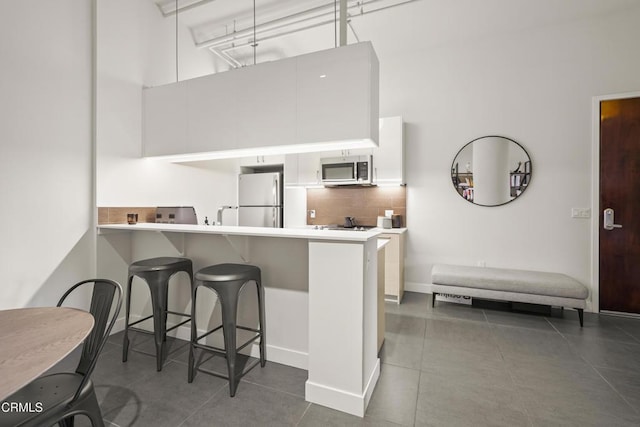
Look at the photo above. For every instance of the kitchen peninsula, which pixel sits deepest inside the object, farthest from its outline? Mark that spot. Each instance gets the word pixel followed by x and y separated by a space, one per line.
pixel 320 294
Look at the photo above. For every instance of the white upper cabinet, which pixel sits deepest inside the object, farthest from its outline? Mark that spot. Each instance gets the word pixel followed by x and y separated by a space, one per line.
pixel 164 120
pixel 388 158
pixel 322 97
pixel 309 168
pixel 277 159
pixel 266 114
pixel 212 107
pixel 337 95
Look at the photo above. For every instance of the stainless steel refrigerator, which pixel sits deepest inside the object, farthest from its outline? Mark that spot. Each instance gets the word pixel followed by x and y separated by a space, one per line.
pixel 260 199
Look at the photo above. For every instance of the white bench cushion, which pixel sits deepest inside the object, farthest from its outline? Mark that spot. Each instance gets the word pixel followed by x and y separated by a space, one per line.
pixel 518 281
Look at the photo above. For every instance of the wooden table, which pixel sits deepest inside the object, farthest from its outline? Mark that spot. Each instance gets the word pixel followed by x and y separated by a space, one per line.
pixel 32 340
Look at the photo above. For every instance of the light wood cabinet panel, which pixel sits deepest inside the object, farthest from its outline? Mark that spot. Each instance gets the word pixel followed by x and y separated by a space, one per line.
pixel 394 267
pixel 381 280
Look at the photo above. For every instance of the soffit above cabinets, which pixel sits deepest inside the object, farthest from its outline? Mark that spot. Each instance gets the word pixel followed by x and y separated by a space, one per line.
pixel 316 102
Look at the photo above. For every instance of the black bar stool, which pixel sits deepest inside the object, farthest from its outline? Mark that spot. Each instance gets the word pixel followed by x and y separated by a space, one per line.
pixel 156 272
pixel 226 280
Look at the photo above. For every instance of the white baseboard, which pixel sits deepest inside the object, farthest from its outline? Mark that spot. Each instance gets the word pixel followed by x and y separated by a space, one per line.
pixel 423 288
pixel 341 400
pixel 284 356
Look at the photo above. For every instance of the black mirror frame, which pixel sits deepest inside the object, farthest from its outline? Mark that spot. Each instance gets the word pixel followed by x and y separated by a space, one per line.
pixel 528 173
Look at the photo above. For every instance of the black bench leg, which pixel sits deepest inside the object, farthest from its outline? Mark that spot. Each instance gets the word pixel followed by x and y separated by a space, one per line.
pixel 433 300
pixel 581 316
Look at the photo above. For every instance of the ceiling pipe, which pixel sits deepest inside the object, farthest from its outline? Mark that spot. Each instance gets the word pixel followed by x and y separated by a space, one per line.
pixel 260 27
pixel 353 31
pixel 274 36
pixel 226 57
pixel 172 9
pixel 235 46
pixel 295 18
pixel 343 23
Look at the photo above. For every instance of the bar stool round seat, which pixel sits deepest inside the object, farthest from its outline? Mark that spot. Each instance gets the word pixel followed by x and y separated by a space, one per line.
pixel 227 280
pixel 156 273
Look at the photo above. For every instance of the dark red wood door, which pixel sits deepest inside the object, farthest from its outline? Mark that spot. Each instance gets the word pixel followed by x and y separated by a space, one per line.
pixel 619 190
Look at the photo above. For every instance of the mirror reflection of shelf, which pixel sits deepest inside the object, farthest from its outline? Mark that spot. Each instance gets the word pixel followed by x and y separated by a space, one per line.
pixel 463 182
pixel 518 181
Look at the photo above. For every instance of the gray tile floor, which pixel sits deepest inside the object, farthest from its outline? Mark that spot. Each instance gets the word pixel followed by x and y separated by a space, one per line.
pixel 451 365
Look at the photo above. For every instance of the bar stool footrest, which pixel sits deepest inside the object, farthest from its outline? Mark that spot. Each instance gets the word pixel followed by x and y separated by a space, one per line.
pixel 226 377
pixel 223 351
pixel 178 325
pixel 142 331
pixel 138 321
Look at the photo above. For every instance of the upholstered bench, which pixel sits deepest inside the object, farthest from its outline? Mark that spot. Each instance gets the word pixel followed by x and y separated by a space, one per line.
pixel 534 287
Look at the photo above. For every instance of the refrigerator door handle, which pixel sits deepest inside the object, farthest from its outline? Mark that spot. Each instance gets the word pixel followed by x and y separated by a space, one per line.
pixel 275 191
pixel 273 216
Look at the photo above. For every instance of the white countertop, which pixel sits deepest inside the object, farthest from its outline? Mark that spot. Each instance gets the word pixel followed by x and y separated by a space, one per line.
pixel 293 233
pixel 391 230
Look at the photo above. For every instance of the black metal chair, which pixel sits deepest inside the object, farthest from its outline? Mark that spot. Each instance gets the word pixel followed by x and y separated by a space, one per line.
pixel 65 395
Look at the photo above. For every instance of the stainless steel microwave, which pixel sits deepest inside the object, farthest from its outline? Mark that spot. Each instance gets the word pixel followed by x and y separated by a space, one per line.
pixel 350 170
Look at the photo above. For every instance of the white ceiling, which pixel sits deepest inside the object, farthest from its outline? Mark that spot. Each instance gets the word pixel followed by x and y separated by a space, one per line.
pixel 401 25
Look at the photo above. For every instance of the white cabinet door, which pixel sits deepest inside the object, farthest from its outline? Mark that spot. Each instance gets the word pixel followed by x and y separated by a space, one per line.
pixel 388 158
pixel 164 119
pixel 266 114
pixel 212 105
pixel 334 94
pixel 309 168
pixel 262 160
pixel 290 171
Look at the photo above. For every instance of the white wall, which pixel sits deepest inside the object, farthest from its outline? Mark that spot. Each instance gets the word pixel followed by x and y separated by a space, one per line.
pixel 45 150
pixel 136 48
pixel 535 87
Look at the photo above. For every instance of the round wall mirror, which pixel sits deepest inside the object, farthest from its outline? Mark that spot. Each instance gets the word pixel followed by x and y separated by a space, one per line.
pixel 491 171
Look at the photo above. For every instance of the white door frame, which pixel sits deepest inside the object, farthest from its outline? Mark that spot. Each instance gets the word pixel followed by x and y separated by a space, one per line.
pixel 595 193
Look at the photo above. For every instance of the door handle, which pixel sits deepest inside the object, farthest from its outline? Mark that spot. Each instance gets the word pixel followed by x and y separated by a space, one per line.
pixel 609 220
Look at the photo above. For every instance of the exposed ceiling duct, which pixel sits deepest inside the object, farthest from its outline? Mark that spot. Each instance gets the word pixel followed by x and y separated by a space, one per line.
pixel 230 39
pixel 299 21
pixel 168 7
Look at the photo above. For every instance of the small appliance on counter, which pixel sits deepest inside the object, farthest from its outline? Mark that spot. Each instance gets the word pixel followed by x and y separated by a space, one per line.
pixel 349 222
pixel 176 215
pixel 384 222
pixel 396 221
pixel 260 199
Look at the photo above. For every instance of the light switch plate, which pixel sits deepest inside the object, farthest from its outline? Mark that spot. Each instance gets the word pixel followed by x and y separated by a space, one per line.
pixel 388 213
pixel 580 213
pixel 312 213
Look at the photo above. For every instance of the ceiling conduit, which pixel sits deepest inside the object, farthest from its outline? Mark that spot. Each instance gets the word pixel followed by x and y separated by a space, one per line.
pixel 245 36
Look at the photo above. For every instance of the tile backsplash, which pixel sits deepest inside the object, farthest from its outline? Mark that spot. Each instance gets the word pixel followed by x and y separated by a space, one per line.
pixel 118 215
pixel 332 204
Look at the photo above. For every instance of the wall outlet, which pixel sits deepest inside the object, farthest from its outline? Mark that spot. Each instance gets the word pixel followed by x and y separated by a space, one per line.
pixel 312 213
pixel 580 213
pixel 482 263
pixel 388 213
